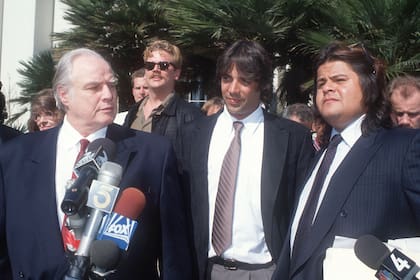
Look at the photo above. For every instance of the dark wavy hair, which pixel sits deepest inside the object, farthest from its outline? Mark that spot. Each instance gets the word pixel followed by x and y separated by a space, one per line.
pixel 371 73
pixel 43 102
pixel 252 61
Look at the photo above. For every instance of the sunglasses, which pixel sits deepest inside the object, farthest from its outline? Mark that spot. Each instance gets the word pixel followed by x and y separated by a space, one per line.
pixel 163 65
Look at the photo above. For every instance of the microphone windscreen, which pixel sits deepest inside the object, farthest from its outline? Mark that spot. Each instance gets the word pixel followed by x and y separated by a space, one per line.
pixel 105 254
pixel 131 203
pixel 371 251
pixel 106 144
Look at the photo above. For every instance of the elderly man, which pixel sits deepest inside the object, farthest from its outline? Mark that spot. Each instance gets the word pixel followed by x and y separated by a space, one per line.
pixel 35 168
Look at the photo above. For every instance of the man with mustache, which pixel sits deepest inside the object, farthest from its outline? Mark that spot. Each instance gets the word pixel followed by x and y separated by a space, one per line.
pixel 163 111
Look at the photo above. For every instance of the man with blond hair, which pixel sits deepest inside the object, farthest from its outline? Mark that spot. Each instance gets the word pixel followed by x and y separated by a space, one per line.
pixel 163 111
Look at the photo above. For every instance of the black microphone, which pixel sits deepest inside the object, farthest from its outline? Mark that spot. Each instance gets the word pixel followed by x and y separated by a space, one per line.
pixel 102 196
pixel 104 257
pixel 388 264
pixel 98 152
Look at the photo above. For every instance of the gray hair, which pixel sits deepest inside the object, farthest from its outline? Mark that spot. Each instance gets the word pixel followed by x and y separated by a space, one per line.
pixel 62 77
pixel 406 85
pixel 300 110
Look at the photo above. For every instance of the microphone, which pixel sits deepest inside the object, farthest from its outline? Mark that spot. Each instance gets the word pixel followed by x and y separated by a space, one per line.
pixel 388 264
pixel 104 257
pixel 120 225
pixel 102 197
pixel 98 152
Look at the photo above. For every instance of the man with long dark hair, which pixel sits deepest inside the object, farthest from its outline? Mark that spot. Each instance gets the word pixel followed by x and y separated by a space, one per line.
pixel 243 165
pixel 367 181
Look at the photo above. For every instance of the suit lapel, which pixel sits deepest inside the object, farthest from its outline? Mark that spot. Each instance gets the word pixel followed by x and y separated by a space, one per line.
pixel 339 188
pixel 124 138
pixel 274 158
pixel 40 187
pixel 199 148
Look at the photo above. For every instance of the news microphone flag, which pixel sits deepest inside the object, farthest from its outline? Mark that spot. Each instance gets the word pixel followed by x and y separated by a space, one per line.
pixel 117 228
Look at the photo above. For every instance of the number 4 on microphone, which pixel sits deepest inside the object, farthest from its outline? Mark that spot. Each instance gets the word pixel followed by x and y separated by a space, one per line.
pixel 401 266
pixel 399 262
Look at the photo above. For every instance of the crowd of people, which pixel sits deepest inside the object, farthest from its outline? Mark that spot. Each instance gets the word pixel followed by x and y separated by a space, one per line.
pixel 232 191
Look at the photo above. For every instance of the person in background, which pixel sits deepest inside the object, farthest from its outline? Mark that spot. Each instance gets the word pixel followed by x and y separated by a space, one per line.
pixel 35 169
pixel 44 112
pixel 6 133
pixel 320 131
pixel 300 113
pixel 367 179
pixel 163 111
pixel 244 241
pixel 404 95
pixel 213 106
pixel 139 90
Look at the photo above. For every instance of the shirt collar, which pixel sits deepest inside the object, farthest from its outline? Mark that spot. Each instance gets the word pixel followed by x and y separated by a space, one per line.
pixel 352 132
pixel 69 137
pixel 253 119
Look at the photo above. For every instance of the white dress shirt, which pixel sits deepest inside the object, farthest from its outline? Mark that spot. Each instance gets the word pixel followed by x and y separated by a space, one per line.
pixel 350 135
pixel 248 240
pixel 68 147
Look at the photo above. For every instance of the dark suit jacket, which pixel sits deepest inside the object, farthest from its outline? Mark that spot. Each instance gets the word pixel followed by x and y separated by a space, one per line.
pixel 375 190
pixel 7 133
pixel 31 246
pixel 170 122
pixel 286 155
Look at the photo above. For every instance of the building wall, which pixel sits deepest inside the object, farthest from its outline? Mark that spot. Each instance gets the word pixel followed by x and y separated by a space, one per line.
pixel 25 29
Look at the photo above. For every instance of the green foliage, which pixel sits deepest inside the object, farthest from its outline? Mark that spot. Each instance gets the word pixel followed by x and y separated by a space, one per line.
pixel 118 29
pixel 293 31
pixel 388 28
pixel 207 27
pixel 37 74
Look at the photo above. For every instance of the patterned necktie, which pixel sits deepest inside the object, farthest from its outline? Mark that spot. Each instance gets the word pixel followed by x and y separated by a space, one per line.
pixel 223 212
pixel 308 214
pixel 70 241
pixel 83 145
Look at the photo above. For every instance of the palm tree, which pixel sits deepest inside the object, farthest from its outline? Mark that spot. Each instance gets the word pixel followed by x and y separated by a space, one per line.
pixel 388 28
pixel 37 74
pixel 206 28
pixel 118 29
pixel 293 31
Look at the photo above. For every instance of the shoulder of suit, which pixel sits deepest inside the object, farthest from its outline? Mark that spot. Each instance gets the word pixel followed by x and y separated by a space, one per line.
pixel 119 133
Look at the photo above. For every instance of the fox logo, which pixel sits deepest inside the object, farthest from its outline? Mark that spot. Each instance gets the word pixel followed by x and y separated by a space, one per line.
pixel 119 229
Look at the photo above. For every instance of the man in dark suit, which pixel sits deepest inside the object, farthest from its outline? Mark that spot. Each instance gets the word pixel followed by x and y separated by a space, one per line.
pixel 273 158
pixel 34 170
pixel 6 132
pixel 372 184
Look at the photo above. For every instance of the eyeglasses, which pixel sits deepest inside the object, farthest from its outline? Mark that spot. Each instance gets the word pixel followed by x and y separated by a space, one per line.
pixel 163 65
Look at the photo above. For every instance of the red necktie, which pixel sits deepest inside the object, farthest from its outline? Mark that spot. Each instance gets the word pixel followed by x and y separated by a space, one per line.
pixel 69 238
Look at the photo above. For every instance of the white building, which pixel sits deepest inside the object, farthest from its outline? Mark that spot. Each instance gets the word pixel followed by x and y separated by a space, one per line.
pixel 25 28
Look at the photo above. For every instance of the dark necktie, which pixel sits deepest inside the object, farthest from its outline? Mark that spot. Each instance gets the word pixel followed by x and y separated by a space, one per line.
pixel 223 212
pixel 307 217
pixel 69 239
